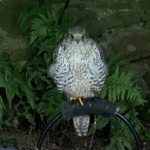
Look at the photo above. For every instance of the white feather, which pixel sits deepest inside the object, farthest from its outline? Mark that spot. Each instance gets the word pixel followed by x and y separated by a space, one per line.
pixel 51 70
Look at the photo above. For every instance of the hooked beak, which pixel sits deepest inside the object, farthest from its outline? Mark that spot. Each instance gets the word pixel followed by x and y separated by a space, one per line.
pixel 77 37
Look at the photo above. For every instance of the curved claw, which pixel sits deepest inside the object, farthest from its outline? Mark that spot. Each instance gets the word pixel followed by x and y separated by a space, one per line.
pixel 77 98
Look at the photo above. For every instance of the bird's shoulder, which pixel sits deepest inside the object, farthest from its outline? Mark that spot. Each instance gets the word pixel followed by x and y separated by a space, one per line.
pixel 60 48
pixel 96 46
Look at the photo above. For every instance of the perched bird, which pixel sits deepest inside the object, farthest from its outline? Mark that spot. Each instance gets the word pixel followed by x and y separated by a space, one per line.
pixel 78 70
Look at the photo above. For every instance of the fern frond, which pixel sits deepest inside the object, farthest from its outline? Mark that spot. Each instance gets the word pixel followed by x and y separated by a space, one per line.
pixel 38 28
pixel 50 102
pixel 26 15
pixel 43 24
pixel 121 88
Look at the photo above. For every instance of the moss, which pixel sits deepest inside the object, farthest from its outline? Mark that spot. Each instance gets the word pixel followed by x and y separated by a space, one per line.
pixel 140 41
pixel 8 139
pixel 16 47
pixel 9 11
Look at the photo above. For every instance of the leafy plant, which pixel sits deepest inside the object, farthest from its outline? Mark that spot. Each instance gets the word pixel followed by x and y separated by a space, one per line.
pixel 27 14
pixel 121 89
pixel 13 87
pixel 44 34
pixel 8 139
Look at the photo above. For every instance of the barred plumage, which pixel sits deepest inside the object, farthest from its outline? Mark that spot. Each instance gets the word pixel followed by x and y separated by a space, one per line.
pixel 79 69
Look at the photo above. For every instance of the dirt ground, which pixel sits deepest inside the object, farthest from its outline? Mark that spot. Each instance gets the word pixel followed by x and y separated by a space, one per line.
pixel 64 140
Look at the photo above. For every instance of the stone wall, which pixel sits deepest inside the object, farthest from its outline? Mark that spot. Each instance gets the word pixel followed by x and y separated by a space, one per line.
pixel 11 39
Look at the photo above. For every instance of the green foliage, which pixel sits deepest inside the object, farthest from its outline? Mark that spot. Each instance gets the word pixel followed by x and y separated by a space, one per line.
pixel 44 33
pixel 45 25
pixel 25 86
pixel 27 14
pixel 8 139
pixel 121 88
pixel 51 102
pixel 13 87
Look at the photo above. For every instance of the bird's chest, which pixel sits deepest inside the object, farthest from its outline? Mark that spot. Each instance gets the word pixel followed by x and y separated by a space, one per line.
pixel 78 56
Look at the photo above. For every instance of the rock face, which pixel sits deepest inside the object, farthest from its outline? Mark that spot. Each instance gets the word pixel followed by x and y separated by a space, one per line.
pixel 122 27
pixel 11 40
pixel 15 45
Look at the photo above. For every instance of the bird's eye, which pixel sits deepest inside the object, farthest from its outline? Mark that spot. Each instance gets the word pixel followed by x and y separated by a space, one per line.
pixel 83 36
pixel 72 36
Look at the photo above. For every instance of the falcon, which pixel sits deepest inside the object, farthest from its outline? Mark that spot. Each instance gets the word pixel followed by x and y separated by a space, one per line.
pixel 79 71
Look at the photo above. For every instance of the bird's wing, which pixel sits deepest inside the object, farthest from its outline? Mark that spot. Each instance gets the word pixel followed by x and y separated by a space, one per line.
pixel 97 67
pixel 60 49
pixel 100 51
pixel 59 70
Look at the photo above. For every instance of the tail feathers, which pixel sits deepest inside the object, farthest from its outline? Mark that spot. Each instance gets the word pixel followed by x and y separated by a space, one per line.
pixel 81 124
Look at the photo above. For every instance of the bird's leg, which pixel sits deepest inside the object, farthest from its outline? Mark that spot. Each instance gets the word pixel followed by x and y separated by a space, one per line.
pixel 77 98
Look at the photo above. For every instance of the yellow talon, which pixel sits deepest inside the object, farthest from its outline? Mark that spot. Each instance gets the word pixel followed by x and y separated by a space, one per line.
pixel 77 98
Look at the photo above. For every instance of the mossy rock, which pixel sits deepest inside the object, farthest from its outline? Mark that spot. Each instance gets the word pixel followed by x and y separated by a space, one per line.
pixel 17 47
pixel 11 39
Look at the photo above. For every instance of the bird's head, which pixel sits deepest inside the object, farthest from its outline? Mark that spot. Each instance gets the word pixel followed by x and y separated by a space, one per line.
pixel 77 33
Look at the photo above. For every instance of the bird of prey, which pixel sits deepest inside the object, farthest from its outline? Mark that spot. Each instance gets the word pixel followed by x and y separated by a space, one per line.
pixel 79 71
